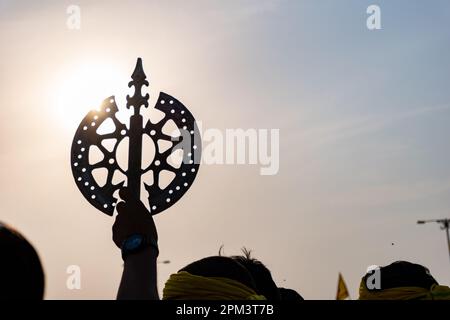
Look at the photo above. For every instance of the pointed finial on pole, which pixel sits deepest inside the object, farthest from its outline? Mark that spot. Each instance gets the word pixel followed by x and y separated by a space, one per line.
pixel 138 73
pixel 138 81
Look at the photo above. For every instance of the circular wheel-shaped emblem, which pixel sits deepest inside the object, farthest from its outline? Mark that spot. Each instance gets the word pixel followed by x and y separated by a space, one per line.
pixel 89 138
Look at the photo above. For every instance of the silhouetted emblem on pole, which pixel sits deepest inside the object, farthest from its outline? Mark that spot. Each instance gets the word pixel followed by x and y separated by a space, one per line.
pixel 87 136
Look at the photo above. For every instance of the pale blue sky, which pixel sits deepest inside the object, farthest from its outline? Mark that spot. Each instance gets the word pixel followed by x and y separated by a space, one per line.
pixel 363 118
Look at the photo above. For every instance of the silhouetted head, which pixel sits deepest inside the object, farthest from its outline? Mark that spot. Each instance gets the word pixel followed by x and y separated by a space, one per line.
pixel 224 267
pixel 404 274
pixel 260 274
pixel 21 274
pixel 289 295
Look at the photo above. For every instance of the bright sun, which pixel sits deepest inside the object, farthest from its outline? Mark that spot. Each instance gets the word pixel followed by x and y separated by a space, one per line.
pixel 81 88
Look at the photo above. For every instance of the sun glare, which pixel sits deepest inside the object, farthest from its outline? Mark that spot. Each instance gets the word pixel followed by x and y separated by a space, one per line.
pixel 81 88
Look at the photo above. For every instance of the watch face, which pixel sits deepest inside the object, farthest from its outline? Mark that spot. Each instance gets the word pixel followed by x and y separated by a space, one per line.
pixel 133 242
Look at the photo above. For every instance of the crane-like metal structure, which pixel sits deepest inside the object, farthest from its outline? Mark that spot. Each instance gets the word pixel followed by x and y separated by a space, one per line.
pixel 445 225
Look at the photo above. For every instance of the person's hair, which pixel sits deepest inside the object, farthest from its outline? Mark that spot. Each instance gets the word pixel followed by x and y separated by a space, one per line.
pixel 289 295
pixel 261 275
pixel 224 267
pixel 404 274
pixel 21 273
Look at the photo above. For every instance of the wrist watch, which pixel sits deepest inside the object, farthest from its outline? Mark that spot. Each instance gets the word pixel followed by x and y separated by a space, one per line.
pixel 137 242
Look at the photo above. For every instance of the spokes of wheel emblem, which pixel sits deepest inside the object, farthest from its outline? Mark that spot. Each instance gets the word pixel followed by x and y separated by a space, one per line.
pixel 87 136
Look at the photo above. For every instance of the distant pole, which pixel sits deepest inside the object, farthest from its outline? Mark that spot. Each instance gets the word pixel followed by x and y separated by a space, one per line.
pixel 445 225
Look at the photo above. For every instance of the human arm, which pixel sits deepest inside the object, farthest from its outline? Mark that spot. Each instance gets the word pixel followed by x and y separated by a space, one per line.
pixel 139 277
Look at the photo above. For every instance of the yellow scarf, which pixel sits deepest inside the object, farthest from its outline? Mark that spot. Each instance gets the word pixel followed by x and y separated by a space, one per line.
pixel 186 286
pixel 436 292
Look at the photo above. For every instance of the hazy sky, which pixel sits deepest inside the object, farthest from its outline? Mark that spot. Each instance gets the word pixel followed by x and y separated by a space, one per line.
pixel 363 117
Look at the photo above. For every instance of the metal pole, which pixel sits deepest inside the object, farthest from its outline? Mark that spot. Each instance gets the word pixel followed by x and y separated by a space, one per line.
pixel 446 226
pixel 135 154
pixel 134 171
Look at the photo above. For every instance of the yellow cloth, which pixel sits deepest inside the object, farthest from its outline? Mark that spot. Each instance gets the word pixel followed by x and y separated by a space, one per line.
pixel 186 286
pixel 436 292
